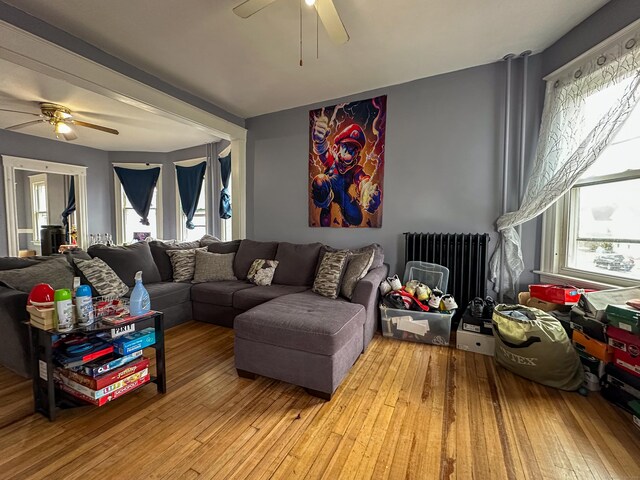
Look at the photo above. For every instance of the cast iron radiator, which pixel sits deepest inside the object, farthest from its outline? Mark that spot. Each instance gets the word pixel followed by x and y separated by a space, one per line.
pixel 464 254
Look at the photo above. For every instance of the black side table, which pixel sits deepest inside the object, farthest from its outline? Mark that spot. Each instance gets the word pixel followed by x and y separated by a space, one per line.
pixel 47 397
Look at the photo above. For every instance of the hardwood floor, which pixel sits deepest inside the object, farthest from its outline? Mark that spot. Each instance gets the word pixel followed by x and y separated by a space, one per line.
pixel 405 411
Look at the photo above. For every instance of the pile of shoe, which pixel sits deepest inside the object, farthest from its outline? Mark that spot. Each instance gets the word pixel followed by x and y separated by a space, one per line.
pixel 415 296
pixel 475 332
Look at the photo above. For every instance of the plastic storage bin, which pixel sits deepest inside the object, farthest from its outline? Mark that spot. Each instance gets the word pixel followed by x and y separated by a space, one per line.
pixel 422 327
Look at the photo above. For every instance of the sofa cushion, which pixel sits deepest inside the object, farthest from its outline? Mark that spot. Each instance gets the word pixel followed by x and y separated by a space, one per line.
pixel 164 295
pixel 162 260
pixel 57 272
pixel 183 263
pixel 297 263
pixel 128 260
pixel 262 271
pixel 357 268
pixel 330 272
pixel 218 293
pixel 250 297
pixel 302 321
pixel 213 267
pixel 378 253
pixel 101 277
pixel 248 251
pixel 224 247
pixel 207 240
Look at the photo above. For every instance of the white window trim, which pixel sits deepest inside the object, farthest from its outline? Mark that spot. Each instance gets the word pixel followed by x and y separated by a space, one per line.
pixel 555 243
pixel 207 192
pixel 33 180
pixel 119 220
pixel 11 164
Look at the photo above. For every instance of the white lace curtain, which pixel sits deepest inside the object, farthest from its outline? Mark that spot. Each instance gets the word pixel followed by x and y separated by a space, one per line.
pixel 583 110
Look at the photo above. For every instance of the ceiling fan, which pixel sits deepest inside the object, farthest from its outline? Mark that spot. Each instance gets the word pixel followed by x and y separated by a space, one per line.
pixel 61 118
pixel 325 8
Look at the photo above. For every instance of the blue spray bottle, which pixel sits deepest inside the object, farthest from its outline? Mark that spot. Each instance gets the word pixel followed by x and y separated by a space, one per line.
pixel 139 300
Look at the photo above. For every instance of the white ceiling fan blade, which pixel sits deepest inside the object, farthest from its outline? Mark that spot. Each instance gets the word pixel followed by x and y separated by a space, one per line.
pixel 331 21
pixel 22 125
pixel 248 8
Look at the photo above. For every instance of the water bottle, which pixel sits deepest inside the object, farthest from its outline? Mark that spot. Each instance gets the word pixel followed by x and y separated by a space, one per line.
pixel 139 302
pixel 63 310
pixel 84 306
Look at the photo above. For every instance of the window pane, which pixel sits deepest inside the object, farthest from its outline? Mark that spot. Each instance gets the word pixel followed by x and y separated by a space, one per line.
pixel 607 228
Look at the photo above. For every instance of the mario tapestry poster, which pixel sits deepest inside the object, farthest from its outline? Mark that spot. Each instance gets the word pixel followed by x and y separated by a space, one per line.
pixel 346 164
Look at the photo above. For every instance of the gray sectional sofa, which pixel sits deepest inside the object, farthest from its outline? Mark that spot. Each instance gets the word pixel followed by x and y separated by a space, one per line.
pixel 283 331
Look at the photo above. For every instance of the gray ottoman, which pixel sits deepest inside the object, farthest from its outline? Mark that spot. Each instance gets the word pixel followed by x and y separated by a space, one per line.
pixel 302 338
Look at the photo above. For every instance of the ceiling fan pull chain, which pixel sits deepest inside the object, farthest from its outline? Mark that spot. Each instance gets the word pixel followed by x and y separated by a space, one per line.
pixel 301 32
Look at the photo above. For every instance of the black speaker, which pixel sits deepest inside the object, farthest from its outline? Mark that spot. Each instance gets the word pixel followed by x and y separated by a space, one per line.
pixel 51 237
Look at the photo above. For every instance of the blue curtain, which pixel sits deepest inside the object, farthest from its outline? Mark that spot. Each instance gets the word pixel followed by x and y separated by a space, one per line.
pixel 138 186
pixel 70 208
pixel 225 198
pixel 189 186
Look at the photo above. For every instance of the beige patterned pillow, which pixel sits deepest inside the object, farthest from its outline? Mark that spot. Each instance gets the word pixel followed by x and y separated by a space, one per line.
pixel 101 277
pixel 183 263
pixel 329 276
pixel 262 271
pixel 213 267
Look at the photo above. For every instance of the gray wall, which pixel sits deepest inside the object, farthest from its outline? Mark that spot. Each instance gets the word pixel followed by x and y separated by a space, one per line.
pixel 442 171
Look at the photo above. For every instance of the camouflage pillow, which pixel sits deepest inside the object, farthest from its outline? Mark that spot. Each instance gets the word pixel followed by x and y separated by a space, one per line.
pixel 262 271
pixel 330 271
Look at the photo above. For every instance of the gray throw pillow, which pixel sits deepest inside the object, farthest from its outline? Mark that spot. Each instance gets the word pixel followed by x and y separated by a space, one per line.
pixel 56 272
pixel 102 277
pixel 262 271
pixel 127 260
pixel 207 240
pixel 330 271
pixel 357 268
pixel 162 260
pixel 213 267
pixel 184 263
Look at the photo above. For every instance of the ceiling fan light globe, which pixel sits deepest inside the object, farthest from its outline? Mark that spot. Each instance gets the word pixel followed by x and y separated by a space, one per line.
pixel 62 128
pixel 311 3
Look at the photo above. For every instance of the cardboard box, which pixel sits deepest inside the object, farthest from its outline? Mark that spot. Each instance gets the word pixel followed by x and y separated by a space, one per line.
pixel 135 341
pixel 592 347
pixel 475 342
pixel 547 306
pixel 559 294
pixel 626 349
pixel 594 304
pixel 589 326
pixel 624 317
pixel 594 370
pixel 621 388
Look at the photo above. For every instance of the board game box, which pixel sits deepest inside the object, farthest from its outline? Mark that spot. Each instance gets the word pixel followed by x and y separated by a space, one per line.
pixel 96 394
pixel 97 383
pixel 106 398
pixel 132 342
pixel 106 364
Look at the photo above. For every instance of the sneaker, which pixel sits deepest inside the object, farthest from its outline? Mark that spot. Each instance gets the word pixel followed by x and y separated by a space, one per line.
pixel 395 283
pixel 489 305
pixel 449 303
pixel 476 307
pixel 434 300
pixel 385 288
pixel 411 286
pixel 422 292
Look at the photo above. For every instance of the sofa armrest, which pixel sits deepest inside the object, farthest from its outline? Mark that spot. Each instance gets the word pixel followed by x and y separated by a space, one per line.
pixel 15 336
pixel 367 293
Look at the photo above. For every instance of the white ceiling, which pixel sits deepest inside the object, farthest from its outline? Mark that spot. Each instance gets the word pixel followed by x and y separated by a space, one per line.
pixel 22 89
pixel 250 66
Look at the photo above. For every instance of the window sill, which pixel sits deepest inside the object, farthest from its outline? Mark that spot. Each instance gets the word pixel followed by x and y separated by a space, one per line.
pixel 549 277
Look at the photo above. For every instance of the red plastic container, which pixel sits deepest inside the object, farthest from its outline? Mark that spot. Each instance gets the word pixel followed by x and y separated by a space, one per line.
pixel 562 294
pixel 626 349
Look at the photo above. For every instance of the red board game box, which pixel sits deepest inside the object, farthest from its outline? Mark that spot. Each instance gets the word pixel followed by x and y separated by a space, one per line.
pixel 98 383
pixel 626 349
pixel 562 294
pixel 107 398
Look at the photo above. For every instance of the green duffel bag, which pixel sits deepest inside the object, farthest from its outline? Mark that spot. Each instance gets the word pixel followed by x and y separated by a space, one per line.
pixel 534 345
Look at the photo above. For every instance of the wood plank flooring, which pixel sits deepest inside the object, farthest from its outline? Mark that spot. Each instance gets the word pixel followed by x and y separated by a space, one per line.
pixel 405 411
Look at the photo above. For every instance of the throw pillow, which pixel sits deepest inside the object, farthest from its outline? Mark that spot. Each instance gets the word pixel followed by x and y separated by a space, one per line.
pixel 56 272
pixel 330 271
pixel 102 277
pixel 127 260
pixel 357 268
pixel 207 240
pixel 213 267
pixel 162 260
pixel 262 271
pixel 184 263
pixel 224 247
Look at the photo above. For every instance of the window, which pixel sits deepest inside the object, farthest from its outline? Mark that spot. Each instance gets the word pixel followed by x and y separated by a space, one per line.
pixel 39 203
pixel 595 228
pixel 128 226
pixel 200 218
